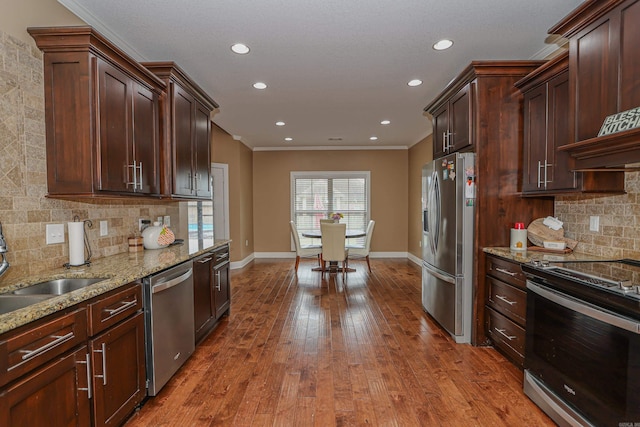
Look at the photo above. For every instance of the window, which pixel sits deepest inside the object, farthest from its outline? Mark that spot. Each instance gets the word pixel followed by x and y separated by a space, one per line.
pixel 315 195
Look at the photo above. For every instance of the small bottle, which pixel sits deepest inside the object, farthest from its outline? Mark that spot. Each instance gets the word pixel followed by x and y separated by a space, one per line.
pixel 518 237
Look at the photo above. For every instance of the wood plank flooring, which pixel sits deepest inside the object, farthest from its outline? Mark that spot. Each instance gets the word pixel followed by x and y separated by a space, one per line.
pixel 306 351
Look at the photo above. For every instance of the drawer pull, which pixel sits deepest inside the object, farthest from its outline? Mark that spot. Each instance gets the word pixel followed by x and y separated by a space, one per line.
pixel 204 260
pixel 125 305
pixel 57 341
pixel 501 298
pixel 104 363
pixel 86 362
pixel 218 280
pixel 502 332
pixel 224 255
pixel 510 273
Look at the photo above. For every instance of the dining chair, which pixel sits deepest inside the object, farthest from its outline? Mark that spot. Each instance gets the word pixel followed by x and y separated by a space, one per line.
pixel 327 221
pixel 362 251
pixel 303 251
pixel 333 245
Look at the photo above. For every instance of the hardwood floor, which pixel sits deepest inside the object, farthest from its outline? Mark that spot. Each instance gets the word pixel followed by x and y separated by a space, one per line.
pixel 304 351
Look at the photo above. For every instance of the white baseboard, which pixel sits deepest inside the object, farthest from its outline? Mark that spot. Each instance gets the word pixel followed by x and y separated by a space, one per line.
pixel 415 259
pixel 242 263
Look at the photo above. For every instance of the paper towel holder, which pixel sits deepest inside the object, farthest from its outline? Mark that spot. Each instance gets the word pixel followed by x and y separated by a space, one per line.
pixel 87 261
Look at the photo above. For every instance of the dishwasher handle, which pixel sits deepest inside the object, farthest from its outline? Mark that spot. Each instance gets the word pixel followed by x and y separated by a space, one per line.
pixel 162 286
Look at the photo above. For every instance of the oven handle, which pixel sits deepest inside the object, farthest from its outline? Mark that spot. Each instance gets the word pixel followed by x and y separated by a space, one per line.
pixel 580 307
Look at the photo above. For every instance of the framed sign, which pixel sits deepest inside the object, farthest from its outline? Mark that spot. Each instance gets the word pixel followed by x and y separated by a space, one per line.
pixel 619 122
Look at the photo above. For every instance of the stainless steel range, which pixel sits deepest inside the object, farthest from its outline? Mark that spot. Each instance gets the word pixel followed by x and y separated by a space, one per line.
pixel 582 353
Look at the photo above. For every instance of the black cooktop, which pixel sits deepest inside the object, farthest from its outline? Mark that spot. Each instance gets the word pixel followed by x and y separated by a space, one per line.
pixel 613 284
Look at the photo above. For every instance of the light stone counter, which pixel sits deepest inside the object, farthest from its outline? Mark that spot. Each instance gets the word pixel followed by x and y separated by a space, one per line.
pixel 527 256
pixel 118 270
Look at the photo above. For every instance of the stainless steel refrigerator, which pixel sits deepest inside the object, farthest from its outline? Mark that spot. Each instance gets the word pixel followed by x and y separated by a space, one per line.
pixel 448 206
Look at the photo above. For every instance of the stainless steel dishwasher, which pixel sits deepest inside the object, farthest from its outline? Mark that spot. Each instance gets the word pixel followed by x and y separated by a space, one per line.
pixel 169 324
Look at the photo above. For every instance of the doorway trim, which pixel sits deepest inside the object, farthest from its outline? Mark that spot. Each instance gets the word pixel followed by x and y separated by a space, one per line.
pixel 221 204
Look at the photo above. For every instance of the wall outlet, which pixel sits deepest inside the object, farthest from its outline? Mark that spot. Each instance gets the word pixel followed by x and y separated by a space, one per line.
pixel 55 233
pixel 104 228
pixel 167 220
pixel 246 243
pixel 594 223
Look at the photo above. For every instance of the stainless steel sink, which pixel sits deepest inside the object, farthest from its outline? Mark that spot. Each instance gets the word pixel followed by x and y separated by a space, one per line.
pixel 57 287
pixel 9 302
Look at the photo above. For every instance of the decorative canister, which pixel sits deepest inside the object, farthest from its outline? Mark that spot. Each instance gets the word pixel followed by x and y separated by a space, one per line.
pixel 157 236
pixel 518 237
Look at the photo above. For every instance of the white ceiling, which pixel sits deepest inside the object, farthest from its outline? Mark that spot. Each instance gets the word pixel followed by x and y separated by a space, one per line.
pixel 334 68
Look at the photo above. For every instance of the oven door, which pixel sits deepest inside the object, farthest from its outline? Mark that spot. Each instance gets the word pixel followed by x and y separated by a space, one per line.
pixel 587 357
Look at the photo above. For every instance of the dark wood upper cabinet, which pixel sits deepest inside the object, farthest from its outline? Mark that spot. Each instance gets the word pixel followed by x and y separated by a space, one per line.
pixel 604 79
pixel 546 170
pixel 452 123
pixel 102 117
pixel 186 134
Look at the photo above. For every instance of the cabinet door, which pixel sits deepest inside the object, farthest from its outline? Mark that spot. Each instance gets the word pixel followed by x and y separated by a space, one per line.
pixel 594 64
pixel 559 174
pixel 535 138
pixel 115 140
pixel 56 395
pixel 204 310
pixel 440 131
pixel 145 140
pixel 629 58
pixel 183 127
pixel 118 371
pixel 202 149
pixel 460 120
pixel 222 289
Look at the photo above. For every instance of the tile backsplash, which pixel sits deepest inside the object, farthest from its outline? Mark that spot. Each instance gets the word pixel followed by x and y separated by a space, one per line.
pixel 24 208
pixel 619 233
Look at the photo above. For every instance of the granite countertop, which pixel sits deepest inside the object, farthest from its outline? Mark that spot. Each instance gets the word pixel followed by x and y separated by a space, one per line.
pixel 118 270
pixel 527 256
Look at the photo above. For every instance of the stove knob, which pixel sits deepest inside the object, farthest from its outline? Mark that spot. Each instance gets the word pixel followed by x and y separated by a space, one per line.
pixel 544 263
pixel 535 262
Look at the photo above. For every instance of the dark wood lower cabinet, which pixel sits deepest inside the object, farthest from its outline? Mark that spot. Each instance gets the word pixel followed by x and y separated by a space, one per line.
pixel 211 290
pixel 118 371
pixel 55 395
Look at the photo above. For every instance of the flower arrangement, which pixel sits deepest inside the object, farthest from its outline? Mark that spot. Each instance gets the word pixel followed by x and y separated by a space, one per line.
pixel 336 216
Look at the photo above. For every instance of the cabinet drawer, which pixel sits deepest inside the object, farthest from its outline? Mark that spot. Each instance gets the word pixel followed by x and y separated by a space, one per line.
pixel 507 299
pixel 506 336
pixel 506 271
pixel 109 310
pixel 221 255
pixel 24 351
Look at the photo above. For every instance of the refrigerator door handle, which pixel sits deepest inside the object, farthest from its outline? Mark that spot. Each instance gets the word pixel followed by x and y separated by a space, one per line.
pixel 434 211
pixel 439 275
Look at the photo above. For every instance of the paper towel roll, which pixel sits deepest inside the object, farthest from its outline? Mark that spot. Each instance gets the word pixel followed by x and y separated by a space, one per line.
pixel 76 243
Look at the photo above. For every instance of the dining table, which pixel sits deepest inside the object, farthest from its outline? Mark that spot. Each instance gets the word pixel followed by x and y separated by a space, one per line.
pixel 349 234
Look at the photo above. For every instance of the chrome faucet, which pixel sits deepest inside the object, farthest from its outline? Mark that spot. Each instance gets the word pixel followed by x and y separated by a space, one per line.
pixel 4 265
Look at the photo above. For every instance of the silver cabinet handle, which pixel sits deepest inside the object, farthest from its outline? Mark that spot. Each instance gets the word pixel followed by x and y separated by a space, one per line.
pixel 125 305
pixel 135 181
pixel 88 371
pixel 444 142
pixel 204 260
pixel 218 280
pixel 502 332
pixel 510 273
pixel 140 183
pixel 500 297
pixel 29 354
pixel 539 167
pixel 104 363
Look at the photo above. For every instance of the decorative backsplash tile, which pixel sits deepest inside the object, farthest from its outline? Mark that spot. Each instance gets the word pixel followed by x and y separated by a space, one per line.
pixel 24 208
pixel 619 232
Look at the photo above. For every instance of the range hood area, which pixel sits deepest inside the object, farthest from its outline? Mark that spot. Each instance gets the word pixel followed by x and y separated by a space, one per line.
pixel 603 81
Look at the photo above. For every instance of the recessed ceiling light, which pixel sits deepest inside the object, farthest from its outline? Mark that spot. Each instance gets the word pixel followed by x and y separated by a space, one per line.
pixel 279 123
pixel 260 85
pixel 443 44
pixel 240 48
pixel 335 138
pixel 415 82
pixel 373 138
pixel 288 139
pixel 385 122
